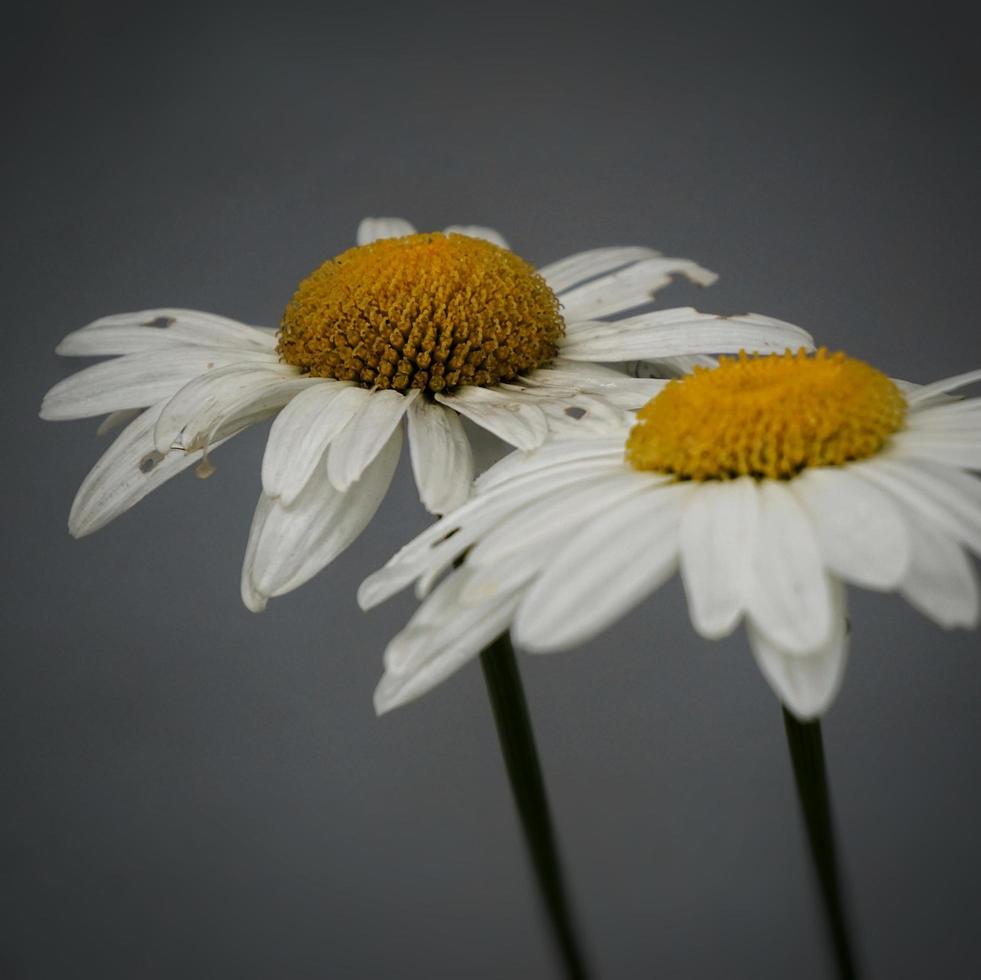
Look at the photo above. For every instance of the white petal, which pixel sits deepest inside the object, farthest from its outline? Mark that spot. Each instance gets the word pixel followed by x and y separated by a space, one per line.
pixel 610 565
pixel 608 450
pixel 466 633
pixel 437 548
pixel 520 544
pixel 442 463
pixel 861 533
pixel 593 379
pixel 371 229
pixel 479 231
pixel 578 331
pixel 657 335
pixel 443 619
pixel 426 582
pixel 561 510
pixel 139 380
pixel 128 470
pixel 718 535
pixel 301 434
pixel 789 601
pixel 630 287
pixel 906 387
pixel 116 420
pixel 952 413
pixel 254 601
pixel 433 551
pixel 941 582
pixel 252 407
pixel 806 685
pixel 961 450
pixel 584 416
pixel 203 403
pixel 570 411
pixel 145 330
pixel 515 421
pixel 432 613
pixel 294 543
pixel 942 387
pixel 360 441
pixel 588 265
pixel 483 511
pixel 945 497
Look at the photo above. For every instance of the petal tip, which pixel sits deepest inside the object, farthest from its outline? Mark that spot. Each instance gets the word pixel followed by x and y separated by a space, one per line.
pixel 367 595
pixel 47 412
pixel 387 696
pixel 254 600
pixel 255 603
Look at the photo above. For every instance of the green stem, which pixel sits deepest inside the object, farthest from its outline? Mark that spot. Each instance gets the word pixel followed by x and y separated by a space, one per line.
pixel 524 771
pixel 810 774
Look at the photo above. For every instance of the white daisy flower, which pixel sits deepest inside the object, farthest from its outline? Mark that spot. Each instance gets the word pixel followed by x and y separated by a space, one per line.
pixel 771 482
pixel 430 328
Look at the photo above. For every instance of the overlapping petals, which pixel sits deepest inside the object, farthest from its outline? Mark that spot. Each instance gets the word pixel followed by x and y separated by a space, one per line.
pixel 560 543
pixel 184 382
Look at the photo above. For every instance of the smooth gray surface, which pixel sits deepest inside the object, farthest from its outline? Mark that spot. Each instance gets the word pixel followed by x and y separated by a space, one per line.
pixel 194 791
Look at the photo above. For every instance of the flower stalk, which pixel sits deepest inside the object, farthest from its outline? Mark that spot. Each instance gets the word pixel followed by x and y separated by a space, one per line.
pixel 517 741
pixel 810 774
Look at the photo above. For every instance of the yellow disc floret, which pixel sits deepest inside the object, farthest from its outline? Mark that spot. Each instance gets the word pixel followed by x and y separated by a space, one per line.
pixel 766 417
pixel 423 311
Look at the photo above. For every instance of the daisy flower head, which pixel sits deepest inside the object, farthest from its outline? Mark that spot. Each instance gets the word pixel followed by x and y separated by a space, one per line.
pixel 421 329
pixel 771 482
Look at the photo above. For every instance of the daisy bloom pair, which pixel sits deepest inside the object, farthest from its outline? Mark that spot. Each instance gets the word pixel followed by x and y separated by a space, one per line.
pixel 432 330
pixel 770 482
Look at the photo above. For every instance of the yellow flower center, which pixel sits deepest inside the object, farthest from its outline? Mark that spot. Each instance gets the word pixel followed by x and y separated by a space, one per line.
pixel 423 311
pixel 766 417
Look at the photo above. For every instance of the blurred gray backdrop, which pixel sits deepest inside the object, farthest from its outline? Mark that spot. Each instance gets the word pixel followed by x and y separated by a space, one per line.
pixel 194 791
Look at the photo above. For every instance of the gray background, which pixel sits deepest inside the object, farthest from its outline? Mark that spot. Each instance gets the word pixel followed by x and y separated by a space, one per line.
pixel 193 791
